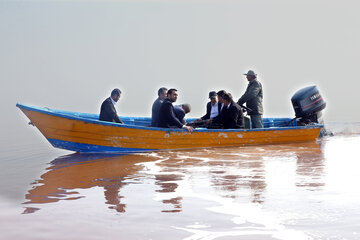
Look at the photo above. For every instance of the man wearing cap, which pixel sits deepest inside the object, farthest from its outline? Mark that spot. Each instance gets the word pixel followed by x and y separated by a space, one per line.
pixel 108 111
pixel 156 106
pixel 167 117
pixel 253 97
pixel 213 108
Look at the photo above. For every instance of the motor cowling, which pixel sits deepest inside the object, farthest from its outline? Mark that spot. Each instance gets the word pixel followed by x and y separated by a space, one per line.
pixel 308 104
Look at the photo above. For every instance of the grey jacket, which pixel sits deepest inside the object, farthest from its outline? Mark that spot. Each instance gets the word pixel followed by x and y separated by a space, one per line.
pixel 253 97
pixel 155 112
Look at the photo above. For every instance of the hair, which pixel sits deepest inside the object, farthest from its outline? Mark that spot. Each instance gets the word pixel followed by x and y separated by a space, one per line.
pixel 221 93
pixel 227 97
pixel 161 90
pixel 171 90
pixel 186 107
pixel 116 91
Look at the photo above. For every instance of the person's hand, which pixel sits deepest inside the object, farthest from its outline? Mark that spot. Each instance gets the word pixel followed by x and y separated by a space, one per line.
pixel 190 129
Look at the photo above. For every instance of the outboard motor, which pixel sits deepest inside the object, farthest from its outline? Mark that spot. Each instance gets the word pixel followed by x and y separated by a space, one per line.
pixel 308 104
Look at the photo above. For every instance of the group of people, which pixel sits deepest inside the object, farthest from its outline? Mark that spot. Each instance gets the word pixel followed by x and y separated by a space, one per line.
pixel 221 111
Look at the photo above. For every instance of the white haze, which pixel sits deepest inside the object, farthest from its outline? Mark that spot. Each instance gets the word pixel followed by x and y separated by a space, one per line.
pixel 70 55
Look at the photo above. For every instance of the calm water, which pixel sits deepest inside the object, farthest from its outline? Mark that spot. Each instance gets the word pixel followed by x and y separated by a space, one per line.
pixel 290 191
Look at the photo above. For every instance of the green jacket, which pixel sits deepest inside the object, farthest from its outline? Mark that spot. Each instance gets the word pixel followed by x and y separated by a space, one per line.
pixel 253 97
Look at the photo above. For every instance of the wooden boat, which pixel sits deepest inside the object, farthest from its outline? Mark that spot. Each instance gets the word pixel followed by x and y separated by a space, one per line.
pixel 83 132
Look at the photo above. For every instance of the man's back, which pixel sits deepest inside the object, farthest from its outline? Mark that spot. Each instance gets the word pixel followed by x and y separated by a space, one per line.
pixel 155 112
pixel 233 117
pixel 108 112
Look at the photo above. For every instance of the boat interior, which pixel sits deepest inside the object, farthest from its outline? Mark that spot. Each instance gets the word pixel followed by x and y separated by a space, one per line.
pixel 146 121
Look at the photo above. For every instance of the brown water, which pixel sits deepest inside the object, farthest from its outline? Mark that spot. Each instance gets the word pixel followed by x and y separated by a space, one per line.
pixel 290 191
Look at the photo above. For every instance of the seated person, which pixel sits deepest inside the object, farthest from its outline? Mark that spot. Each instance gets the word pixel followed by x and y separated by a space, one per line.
pixel 220 95
pixel 233 116
pixel 208 121
pixel 156 106
pixel 108 111
pixel 213 107
pixel 181 110
pixel 167 117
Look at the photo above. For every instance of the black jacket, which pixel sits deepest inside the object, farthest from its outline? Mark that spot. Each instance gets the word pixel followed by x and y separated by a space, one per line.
pixel 155 112
pixel 218 118
pixel 108 112
pixel 208 111
pixel 167 117
pixel 233 117
pixel 180 113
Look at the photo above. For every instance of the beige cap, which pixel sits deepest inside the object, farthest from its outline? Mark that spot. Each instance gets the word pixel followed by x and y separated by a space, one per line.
pixel 251 73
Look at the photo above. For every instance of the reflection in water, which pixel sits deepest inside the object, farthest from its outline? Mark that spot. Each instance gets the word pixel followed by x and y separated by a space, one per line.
pixel 81 171
pixel 245 172
pixel 310 168
pixel 229 171
pixel 168 183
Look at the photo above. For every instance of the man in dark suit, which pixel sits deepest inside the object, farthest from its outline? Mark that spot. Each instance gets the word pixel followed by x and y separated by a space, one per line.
pixel 108 111
pixel 233 116
pixel 167 117
pixel 156 106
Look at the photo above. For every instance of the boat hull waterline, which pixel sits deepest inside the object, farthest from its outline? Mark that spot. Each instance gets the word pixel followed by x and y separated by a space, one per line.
pixel 73 131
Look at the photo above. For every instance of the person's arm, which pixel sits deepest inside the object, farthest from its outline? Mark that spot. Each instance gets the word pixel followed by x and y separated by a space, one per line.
pixel 218 118
pixel 234 114
pixel 172 120
pixel 117 119
pixel 112 112
pixel 252 91
pixel 155 113
pixel 208 110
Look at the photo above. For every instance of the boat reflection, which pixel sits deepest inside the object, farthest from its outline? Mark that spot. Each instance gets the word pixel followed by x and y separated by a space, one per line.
pixel 82 171
pixel 310 167
pixel 231 172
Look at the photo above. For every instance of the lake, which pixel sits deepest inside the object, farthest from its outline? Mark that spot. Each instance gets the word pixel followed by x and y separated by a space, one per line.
pixel 287 191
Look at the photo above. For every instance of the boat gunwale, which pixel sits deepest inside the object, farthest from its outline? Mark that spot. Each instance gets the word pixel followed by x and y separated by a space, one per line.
pixel 51 112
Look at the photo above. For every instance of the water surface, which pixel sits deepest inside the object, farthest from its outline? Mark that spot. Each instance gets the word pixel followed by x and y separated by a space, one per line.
pixel 288 191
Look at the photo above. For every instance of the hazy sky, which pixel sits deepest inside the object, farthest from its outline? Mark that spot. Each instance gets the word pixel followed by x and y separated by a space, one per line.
pixel 70 55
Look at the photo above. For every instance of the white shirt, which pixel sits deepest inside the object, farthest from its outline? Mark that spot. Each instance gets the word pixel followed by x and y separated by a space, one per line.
pixel 112 100
pixel 214 110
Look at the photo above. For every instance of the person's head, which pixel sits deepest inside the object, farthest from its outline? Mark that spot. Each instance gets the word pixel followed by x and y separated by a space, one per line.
pixel 186 107
pixel 250 75
pixel 220 95
pixel 115 94
pixel 172 94
pixel 213 97
pixel 227 98
pixel 162 93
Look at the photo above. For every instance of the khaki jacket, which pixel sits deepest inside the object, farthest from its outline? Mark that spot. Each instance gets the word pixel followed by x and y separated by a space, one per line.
pixel 253 97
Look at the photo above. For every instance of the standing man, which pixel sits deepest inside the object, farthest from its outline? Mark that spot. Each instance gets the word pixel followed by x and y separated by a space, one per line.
pixel 156 106
pixel 167 117
pixel 108 111
pixel 253 97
